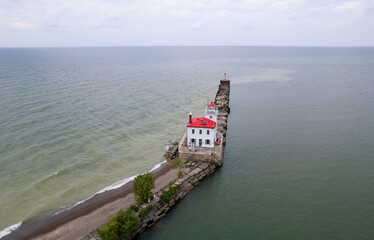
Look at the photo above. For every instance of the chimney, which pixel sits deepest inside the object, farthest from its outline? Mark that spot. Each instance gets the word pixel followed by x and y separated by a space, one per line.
pixel 190 117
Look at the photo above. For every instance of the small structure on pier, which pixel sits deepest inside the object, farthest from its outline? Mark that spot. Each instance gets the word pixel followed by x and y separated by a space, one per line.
pixel 202 132
pixel 211 112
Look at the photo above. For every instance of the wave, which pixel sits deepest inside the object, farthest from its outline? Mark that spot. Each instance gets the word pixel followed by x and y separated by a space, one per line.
pixel 115 185
pixel 110 187
pixel 123 182
pixel 9 229
pixel 47 178
pixel 157 166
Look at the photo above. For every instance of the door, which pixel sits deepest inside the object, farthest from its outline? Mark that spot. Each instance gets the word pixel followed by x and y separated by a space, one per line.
pixel 200 142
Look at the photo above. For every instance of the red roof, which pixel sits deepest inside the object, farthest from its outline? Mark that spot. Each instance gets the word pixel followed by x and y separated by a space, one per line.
pixel 201 123
pixel 211 104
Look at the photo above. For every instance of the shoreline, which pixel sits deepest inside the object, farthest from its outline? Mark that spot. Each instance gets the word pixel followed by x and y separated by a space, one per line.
pixel 49 222
pixel 88 215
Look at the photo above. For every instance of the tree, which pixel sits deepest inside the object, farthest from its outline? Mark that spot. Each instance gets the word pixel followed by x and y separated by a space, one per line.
pixel 124 223
pixel 109 230
pixel 142 185
pixel 128 221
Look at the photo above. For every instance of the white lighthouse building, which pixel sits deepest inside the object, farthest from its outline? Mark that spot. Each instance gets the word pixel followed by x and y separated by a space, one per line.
pixel 211 112
pixel 202 132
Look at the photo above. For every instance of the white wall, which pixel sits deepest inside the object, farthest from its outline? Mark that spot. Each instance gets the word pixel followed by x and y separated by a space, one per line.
pixel 211 114
pixel 203 136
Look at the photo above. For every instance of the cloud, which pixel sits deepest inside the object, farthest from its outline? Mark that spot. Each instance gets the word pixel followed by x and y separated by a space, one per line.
pixel 348 6
pixel 23 25
pixel 175 22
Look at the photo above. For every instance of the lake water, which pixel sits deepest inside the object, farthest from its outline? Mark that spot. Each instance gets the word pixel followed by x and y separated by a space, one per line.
pixel 299 159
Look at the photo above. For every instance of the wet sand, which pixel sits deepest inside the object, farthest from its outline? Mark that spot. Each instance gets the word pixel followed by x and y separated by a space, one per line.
pixel 80 220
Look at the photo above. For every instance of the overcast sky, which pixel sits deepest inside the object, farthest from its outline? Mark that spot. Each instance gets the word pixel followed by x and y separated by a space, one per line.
pixel 29 23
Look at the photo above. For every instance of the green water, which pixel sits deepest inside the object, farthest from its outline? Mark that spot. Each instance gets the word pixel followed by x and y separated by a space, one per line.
pixel 75 121
pixel 299 160
pixel 300 142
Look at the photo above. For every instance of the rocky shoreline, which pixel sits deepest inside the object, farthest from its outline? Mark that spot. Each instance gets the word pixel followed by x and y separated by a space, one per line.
pixel 196 172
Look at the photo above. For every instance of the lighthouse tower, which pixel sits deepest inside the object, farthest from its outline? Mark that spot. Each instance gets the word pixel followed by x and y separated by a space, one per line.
pixel 211 112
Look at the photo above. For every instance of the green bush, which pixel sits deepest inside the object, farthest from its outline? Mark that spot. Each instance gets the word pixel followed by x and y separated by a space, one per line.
pixel 142 187
pixel 144 212
pixel 134 208
pixel 180 174
pixel 109 230
pixel 166 195
pixel 172 182
pixel 178 162
pixel 128 221
pixel 121 225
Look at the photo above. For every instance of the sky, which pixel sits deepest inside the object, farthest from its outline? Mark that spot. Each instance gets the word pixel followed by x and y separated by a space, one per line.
pixel 64 23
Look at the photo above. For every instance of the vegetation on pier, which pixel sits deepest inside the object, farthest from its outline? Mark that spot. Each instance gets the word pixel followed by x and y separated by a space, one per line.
pixel 144 212
pixel 168 194
pixel 121 225
pixel 134 208
pixel 178 162
pixel 143 184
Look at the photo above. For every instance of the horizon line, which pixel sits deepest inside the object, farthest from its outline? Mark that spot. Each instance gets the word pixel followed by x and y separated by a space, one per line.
pixel 109 46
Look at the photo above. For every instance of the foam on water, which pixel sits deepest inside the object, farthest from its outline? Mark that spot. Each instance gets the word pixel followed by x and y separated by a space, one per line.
pixel 157 166
pixel 264 75
pixel 9 229
pixel 124 181
pixel 108 188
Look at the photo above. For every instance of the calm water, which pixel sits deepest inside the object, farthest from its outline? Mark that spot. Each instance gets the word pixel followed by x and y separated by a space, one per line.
pixel 298 162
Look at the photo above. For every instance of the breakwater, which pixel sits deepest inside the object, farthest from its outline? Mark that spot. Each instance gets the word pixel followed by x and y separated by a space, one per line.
pixel 196 172
pixel 198 166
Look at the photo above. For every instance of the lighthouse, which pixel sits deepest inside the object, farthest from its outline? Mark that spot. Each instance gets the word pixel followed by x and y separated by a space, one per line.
pixel 202 131
pixel 211 112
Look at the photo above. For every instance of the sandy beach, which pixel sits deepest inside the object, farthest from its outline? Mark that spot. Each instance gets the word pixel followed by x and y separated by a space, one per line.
pixel 79 221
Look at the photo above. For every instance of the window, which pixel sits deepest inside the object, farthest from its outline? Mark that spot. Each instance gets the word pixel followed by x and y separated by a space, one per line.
pixel 201 131
pixel 193 140
pixel 207 132
pixel 207 141
pixel 193 131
